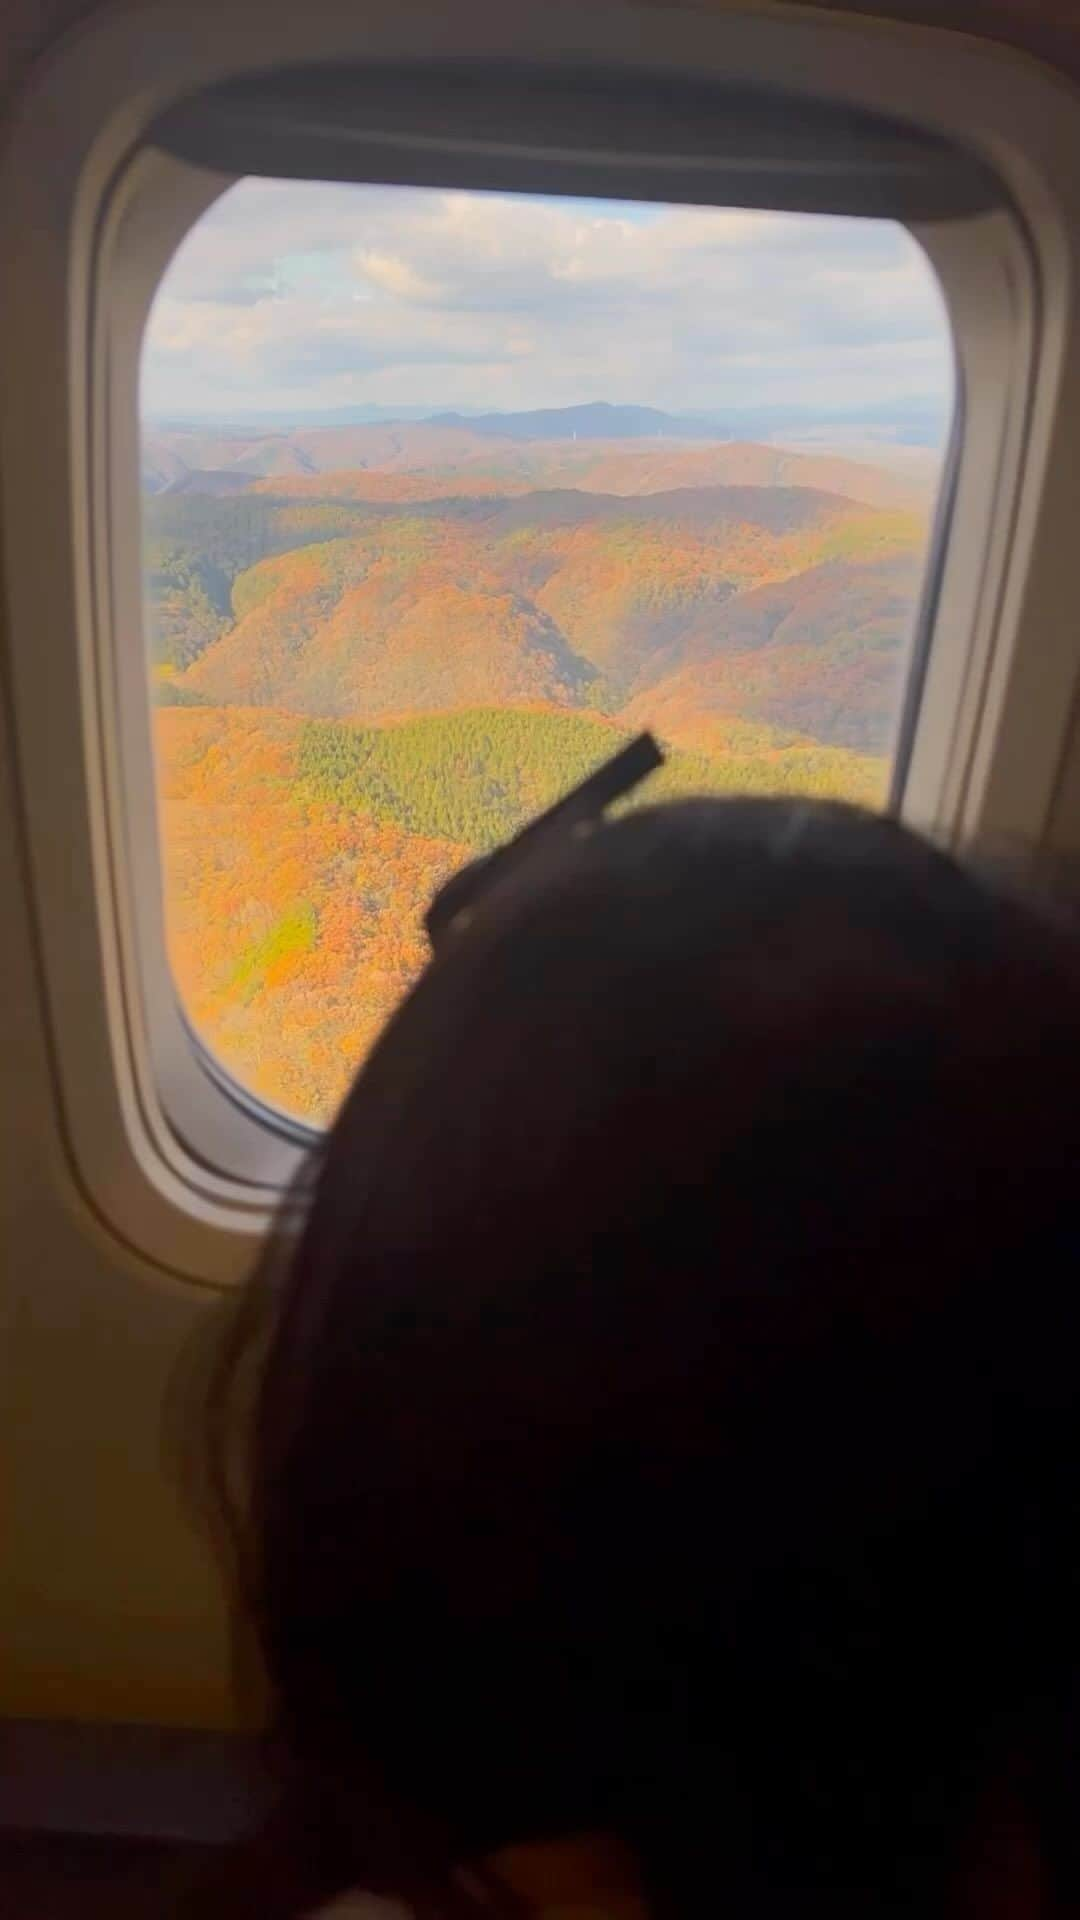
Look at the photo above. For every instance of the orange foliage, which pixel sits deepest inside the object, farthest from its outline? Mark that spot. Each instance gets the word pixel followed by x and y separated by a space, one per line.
pixel 244 858
pixel 736 605
pixel 420 485
pixel 531 601
pixel 426 463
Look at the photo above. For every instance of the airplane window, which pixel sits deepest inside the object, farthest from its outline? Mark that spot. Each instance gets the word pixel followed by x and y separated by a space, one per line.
pixel 444 495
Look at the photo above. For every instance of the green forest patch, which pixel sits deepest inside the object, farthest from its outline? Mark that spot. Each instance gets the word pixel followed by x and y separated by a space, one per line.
pixel 479 775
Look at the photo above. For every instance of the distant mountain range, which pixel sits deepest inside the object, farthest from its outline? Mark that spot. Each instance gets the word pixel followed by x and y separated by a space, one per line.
pixel 908 422
pixel 597 421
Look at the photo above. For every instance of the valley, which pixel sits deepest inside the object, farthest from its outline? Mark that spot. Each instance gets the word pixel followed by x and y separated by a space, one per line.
pixel 375 649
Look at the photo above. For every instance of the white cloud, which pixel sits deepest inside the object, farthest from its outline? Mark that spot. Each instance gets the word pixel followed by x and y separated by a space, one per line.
pixel 394 275
pixel 305 295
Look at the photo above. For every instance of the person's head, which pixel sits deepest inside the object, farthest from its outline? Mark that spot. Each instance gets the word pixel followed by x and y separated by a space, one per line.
pixel 670 1422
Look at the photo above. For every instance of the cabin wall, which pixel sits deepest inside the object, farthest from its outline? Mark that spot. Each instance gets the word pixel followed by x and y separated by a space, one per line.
pixel 109 1604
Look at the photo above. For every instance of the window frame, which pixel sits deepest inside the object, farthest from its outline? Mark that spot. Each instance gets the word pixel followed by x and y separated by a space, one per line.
pixel 174 1158
pixel 249 1137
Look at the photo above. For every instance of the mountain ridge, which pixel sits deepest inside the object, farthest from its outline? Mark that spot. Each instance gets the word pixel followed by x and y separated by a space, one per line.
pixel 423 461
pixel 579 599
pixel 595 420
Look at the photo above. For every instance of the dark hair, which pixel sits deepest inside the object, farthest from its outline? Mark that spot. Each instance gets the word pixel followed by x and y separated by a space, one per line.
pixel 669 1421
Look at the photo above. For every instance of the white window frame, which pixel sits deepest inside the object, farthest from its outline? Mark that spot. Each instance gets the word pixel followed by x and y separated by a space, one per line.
pixel 176 1162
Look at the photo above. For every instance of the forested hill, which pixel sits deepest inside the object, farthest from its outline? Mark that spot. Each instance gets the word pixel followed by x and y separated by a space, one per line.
pixel 301 854
pixel 362 610
pixel 378 648
pixel 409 460
pixel 476 776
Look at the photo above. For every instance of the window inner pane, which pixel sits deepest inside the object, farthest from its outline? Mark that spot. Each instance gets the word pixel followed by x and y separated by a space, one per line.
pixel 446 493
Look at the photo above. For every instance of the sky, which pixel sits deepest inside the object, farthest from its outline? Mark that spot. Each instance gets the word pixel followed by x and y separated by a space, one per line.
pixel 297 296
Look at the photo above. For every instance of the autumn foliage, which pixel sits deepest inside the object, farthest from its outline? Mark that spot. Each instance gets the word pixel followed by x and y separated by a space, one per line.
pixel 359 686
